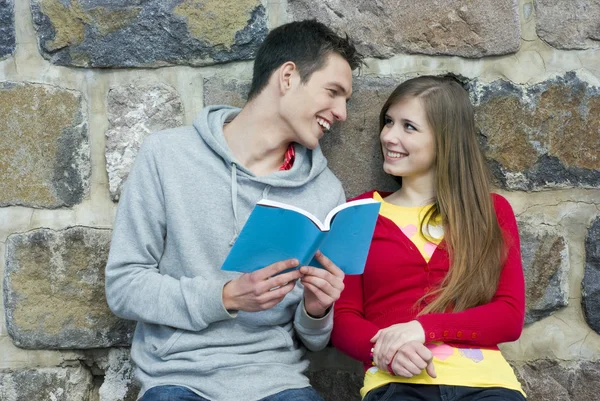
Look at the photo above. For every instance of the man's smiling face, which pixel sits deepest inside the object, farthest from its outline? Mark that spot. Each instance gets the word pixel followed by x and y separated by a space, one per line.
pixel 311 108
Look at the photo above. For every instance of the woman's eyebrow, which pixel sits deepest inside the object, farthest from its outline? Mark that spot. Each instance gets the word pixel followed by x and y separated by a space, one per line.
pixel 406 120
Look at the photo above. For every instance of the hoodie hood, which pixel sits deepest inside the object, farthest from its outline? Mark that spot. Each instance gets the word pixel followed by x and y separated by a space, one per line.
pixel 307 165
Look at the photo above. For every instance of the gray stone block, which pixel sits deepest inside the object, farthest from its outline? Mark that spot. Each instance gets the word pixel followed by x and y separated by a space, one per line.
pixel 540 136
pixel 54 290
pixel 119 383
pixel 546 380
pixel 337 385
pixel 591 278
pixel 44 146
pixel 148 33
pixel 232 92
pixel 568 24
pixel 133 114
pixel 546 267
pixel 388 27
pixel 7 28
pixel 46 384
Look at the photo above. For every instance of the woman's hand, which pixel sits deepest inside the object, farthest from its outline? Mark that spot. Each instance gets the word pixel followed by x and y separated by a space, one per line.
pixel 411 359
pixel 389 340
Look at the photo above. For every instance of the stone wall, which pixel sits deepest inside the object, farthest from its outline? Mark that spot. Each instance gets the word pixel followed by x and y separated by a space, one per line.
pixel 83 82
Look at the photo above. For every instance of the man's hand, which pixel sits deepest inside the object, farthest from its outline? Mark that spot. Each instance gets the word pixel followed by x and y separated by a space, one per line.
pixel 389 340
pixel 261 289
pixel 411 359
pixel 322 287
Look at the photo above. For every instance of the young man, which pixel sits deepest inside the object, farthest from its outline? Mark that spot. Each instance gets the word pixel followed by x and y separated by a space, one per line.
pixel 206 334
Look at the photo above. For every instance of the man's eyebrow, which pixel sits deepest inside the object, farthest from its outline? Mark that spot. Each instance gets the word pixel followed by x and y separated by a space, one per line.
pixel 339 87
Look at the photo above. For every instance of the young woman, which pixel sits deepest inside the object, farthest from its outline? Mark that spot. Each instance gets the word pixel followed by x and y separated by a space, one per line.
pixel 443 284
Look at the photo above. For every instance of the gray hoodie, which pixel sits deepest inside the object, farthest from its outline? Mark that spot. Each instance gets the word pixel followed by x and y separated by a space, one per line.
pixel 184 203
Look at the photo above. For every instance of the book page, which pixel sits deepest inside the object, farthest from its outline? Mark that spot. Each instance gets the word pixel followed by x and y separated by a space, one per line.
pixel 331 215
pixel 281 205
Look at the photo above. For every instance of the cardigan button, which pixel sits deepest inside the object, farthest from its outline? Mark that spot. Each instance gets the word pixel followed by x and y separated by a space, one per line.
pixel 432 335
pixel 459 334
pixel 473 335
pixel 445 333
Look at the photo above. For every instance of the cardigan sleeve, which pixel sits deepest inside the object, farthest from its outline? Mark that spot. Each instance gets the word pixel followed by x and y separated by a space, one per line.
pixel 500 320
pixel 352 333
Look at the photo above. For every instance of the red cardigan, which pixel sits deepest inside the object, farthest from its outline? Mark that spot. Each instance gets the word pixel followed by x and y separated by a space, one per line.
pixel 396 276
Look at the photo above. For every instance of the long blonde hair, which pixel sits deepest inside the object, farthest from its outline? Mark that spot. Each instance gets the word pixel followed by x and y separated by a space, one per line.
pixel 463 202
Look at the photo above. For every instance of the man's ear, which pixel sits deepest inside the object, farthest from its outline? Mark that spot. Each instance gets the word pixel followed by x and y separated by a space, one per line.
pixel 287 73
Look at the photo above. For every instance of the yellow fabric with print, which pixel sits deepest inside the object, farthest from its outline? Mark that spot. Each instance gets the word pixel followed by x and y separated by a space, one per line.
pixel 470 367
pixel 408 219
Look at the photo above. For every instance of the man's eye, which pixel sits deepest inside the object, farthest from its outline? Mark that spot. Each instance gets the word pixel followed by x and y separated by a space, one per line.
pixel 332 92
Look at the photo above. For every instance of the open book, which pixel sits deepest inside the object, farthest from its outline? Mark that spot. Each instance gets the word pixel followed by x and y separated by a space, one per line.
pixel 275 231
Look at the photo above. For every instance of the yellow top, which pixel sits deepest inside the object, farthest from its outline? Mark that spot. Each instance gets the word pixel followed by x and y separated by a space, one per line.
pixel 408 219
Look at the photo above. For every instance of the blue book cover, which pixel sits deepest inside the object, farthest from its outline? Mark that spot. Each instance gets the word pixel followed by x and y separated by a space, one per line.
pixel 276 231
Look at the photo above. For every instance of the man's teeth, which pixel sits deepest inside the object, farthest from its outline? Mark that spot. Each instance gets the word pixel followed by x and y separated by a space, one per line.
pixel 395 154
pixel 324 124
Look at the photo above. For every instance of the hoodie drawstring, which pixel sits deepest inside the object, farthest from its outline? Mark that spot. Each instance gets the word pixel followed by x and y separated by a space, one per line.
pixel 234 201
pixel 266 192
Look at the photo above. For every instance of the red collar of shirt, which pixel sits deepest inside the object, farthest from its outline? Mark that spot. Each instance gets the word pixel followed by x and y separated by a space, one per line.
pixel 288 159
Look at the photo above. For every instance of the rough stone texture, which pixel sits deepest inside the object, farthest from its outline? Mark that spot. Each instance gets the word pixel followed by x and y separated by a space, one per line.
pixel 44 146
pixel 387 27
pixel 591 278
pixel 569 24
pixel 134 113
pixel 232 92
pixel 569 381
pixel 541 136
pixel 148 33
pixel 46 384
pixel 119 383
pixel 353 148
pixel 7 28
pixel 546 266
pixel 337 385
pixel 54 290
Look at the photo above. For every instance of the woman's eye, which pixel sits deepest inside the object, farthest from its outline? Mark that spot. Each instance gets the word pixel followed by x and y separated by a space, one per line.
pixel 409 127
pixel 387 120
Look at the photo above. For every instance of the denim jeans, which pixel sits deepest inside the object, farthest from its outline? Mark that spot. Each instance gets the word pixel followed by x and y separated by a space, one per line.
pixel 428 392
pixel 171 393
pixel 178 393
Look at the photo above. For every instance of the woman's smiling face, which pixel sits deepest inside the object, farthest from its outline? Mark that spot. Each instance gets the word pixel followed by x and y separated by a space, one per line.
pixel 407 140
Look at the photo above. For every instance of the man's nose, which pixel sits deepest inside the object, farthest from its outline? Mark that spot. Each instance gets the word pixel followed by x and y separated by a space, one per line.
pixel 339 112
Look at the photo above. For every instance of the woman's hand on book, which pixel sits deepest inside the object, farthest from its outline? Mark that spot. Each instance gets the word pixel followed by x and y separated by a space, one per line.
pixel 389 340
pixel 322 287
pixel 411 359
pixel 261 289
